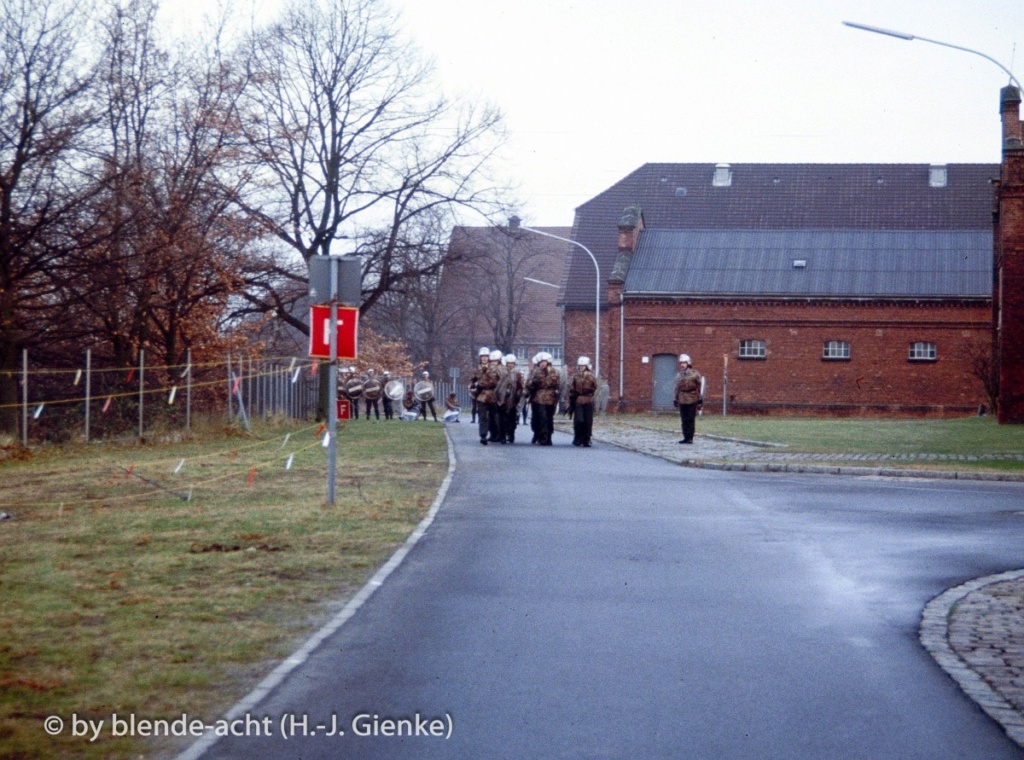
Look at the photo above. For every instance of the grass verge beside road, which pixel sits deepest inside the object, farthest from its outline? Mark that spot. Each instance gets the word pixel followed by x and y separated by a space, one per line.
pixel 978 442
pixel 157 580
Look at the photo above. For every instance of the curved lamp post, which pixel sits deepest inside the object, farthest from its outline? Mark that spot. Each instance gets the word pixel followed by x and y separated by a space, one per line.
pixel 597 292
pixel 909 37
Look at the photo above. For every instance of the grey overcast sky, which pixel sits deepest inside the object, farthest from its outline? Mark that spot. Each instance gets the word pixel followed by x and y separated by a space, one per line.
pixel 593 89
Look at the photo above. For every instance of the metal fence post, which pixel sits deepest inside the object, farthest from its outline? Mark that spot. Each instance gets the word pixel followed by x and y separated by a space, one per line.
pixel 142 388
pixel 88 391
pixel 24 397
pixel 188 391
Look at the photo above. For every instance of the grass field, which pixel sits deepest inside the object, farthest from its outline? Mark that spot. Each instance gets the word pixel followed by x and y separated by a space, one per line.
pixel 156 580
pixel 977 437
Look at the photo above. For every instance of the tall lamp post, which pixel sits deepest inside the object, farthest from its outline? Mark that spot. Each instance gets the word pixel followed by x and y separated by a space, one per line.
pixel 597 292
pixel 909 37
pixel 998 335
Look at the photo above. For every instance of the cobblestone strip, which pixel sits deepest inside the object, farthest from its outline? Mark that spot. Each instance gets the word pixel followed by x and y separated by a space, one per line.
pixel 960 629
pixel 719 453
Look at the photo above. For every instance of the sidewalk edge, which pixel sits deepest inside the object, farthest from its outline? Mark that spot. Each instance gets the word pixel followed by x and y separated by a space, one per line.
pixel 934 637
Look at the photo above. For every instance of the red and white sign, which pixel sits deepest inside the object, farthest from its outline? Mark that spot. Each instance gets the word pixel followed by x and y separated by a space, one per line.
pixel 320 332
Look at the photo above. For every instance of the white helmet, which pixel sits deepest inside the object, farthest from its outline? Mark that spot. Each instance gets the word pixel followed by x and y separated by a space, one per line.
pixel 583 361
pixel 684 358
pixel 548 357
pixel 484 351
pixel 510 358
pixel 496 355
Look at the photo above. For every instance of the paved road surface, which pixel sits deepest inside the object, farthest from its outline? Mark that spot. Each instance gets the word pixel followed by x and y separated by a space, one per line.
pixel 592 603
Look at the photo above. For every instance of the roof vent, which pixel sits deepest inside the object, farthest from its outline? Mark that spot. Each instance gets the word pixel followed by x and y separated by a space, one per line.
pixel 680 192
pixel 799 263
pixel 937 176
pixel 723 176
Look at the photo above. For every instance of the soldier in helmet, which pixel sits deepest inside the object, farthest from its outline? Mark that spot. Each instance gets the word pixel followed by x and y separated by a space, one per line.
pixel 544 385
pixel 514 386
pixel 389 412
pixel 582 389
pixel 372 391
pixel 428 401
pixel 688 398
pixel 483 356
pixel 488 414
pixel 353 390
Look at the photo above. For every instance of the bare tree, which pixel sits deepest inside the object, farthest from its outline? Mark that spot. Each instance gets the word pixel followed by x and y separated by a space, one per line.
pixel 345 142
pixel 43 115
pixel 504 299
pixel 161 274
pixel 485 291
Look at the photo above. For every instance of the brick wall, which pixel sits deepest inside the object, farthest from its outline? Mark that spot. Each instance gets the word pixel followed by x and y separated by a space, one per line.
pixel 878 378
pixel 1009 244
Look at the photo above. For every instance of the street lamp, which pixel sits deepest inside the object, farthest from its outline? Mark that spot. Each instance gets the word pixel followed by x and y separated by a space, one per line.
pixel 541 282
pixel 597 292
pixel 908 37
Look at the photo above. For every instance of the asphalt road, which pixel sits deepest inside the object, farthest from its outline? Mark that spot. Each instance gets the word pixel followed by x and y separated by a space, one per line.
pixel 593 603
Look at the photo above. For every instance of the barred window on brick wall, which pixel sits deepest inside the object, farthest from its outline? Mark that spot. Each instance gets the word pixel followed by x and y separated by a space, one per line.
pixel 923 352
pixel 554 350
pixel 836 349
pixel 753 349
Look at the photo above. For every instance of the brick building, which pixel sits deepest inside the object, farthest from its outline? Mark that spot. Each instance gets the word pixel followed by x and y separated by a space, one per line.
pixel 491 293
pixel 837 289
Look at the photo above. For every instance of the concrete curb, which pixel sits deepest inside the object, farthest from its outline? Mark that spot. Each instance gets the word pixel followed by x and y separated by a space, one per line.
pixel 882 472
pixel 817 469
pixel 934 636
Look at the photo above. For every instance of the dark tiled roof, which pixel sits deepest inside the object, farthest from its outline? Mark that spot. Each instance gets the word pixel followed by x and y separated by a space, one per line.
pixel 781 197
pixel 813 263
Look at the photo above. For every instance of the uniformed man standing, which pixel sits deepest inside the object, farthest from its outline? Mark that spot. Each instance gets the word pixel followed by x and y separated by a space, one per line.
pixel 510 410
pixel 688 396
pixel 372 391
pixel 545 386
pixel 487 399
pixel 428 401
pixel 483 356
pixel 353 390
pixel 389 411
pixel 582 389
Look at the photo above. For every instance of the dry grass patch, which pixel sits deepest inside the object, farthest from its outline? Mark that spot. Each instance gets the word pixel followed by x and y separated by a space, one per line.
pixel 133 583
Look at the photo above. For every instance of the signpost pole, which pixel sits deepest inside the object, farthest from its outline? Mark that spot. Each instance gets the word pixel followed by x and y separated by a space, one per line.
pixel 332 390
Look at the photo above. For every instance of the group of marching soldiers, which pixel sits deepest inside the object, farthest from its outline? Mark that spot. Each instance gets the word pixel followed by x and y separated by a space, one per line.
pixel 499 391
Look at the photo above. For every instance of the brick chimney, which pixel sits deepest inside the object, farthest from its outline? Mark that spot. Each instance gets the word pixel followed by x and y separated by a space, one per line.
pixel 630 224
pixel 1008 295
pixel 1009 109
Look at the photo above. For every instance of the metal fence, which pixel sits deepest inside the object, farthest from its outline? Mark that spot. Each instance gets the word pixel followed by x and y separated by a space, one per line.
pixel 91 402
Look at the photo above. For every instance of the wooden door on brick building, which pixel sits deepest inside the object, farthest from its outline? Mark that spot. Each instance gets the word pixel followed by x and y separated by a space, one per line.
pixel 664 381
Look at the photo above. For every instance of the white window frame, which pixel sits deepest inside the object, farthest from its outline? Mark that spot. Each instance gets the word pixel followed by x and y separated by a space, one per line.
pixel 753 348
pixel 836 350
pixel 923 351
